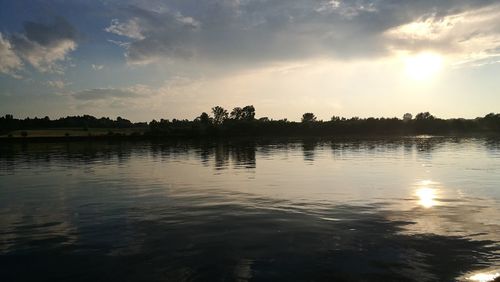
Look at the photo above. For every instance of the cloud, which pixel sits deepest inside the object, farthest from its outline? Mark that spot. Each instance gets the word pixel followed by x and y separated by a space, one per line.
pixel 97 67
pixel 130 29
pixel 247 32
pixel 9 61
pixel 110 93
pixel 132 100
pixel 471 37
pixel 155 34
pixel 56 84
pixel 104 93
pixel 45 45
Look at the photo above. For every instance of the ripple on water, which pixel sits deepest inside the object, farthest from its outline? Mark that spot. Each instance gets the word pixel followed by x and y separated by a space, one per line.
pixel 411 209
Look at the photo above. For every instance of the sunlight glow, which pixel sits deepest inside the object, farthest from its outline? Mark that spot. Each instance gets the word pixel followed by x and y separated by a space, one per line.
pixel 427 182
pixel 484 277
pixel 423 66
pixel 426 197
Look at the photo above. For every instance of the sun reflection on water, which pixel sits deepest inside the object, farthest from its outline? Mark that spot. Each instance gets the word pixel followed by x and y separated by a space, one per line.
pixel 426 195
pixel 484 277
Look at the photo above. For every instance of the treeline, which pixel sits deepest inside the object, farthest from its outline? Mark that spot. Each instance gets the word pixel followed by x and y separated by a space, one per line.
pixel 241 121
pixel 9 123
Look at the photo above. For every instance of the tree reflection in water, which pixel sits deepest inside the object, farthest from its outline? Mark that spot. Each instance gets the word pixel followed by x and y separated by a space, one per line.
pixel 315 210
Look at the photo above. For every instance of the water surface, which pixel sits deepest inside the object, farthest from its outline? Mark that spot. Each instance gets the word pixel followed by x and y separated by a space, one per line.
pixel 406 209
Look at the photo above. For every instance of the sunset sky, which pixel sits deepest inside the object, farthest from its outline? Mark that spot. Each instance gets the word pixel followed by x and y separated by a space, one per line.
pixel 177 58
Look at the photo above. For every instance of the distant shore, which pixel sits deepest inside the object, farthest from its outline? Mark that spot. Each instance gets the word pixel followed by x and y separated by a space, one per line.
pixel 240 122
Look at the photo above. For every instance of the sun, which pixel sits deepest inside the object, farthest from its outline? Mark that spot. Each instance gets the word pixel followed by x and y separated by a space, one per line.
pixel 423 66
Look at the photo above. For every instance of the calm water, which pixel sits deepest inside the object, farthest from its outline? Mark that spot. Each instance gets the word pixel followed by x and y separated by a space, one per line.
pixel 412 209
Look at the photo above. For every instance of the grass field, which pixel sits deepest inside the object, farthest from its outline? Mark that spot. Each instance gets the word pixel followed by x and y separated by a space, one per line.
pixel 79 132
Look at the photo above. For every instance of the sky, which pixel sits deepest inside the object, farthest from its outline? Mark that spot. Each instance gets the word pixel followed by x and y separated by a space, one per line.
pixel 153 59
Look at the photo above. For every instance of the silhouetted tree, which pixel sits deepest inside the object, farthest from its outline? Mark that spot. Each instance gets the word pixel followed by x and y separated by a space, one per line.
pixel 308 117
pixel 220 114
pixel 248 113
pixel 335 119
pixel 492 122
pixel 407 117
pixel 245 113
pixel 424 116
pixel 123 123
pixel 205 119
pixel 236 113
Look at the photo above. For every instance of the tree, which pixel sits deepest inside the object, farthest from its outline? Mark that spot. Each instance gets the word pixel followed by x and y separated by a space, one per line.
pixel 237 113
pixel 245 113
pixel 220 114
pixel 248 113
pixel 424 116
pixel 308 117
pixel 335 118
pixel 121 122
pixel 204 119
pixel 407 117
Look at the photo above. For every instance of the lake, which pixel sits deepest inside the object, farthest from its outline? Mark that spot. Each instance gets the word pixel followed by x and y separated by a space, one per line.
pixel 382 209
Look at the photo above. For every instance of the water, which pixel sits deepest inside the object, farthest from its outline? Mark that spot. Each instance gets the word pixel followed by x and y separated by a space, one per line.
pixel 410 209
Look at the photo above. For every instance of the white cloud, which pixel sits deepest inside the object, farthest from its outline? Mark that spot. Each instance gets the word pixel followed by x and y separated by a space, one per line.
pixel 425 29
pixel 56 84
pixel 9 61
pixel 130 28
pixel 97 67
pixel 467 38
pixel 46 58
pixel 43 46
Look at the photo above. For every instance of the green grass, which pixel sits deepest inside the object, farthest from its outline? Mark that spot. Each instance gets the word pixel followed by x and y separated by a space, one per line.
pixel 61 132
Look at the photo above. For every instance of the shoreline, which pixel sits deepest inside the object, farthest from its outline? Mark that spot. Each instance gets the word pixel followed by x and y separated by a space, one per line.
pixel 141 138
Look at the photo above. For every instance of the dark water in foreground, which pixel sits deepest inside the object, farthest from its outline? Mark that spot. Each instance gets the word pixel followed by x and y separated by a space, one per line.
pixel 412 209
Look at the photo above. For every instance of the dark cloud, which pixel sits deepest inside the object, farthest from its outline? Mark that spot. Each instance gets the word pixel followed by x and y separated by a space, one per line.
pixel 156 34
pixel 259 30
pixel 48 34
